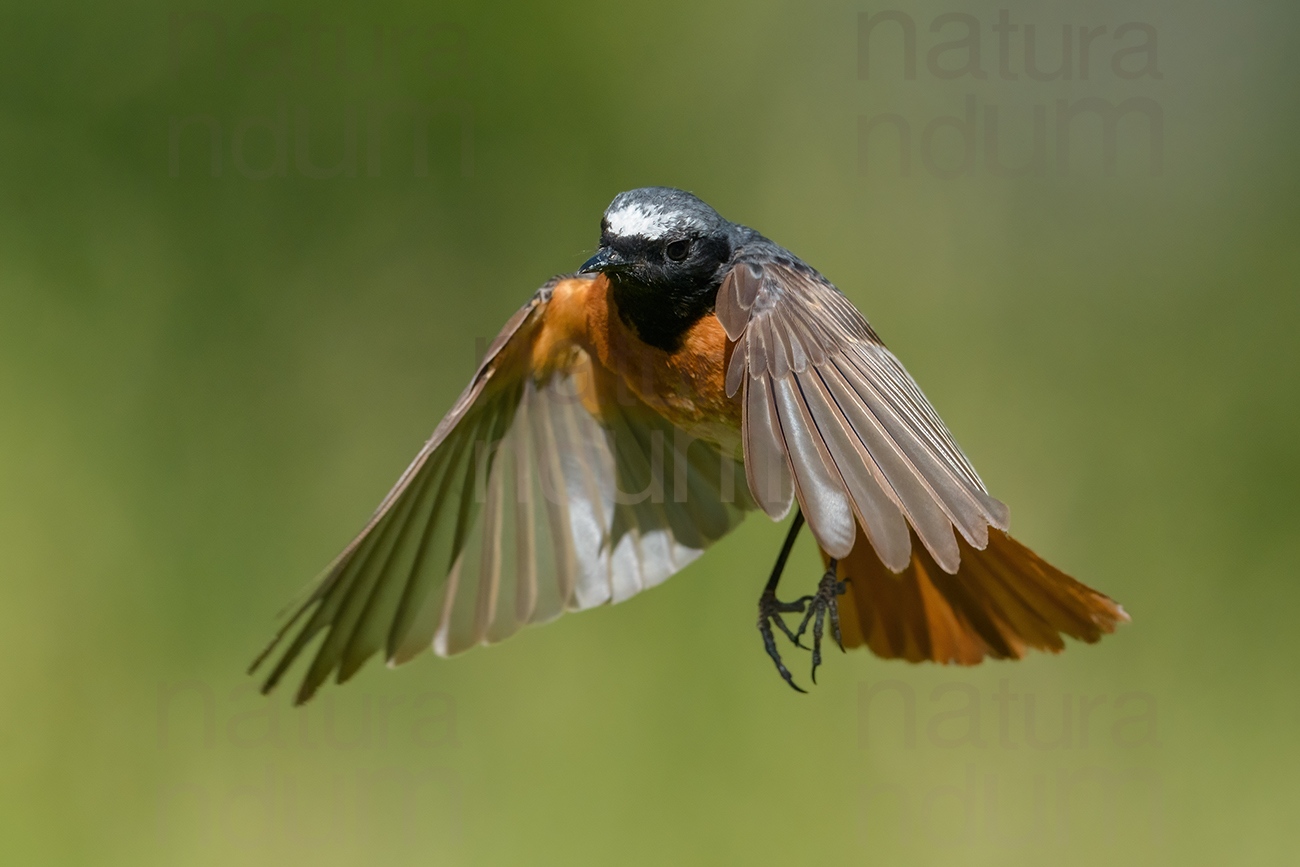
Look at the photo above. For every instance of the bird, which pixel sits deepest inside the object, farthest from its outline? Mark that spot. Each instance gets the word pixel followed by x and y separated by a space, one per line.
pixel 634 412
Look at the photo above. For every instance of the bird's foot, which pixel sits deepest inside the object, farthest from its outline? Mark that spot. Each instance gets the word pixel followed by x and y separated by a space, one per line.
pixel 824 601
pixel 770 610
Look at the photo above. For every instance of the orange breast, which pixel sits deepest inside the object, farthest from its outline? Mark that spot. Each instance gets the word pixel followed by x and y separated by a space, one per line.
pixel 687 386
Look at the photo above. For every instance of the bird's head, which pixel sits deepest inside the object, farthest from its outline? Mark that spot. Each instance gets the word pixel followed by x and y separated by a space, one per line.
pixel 663 241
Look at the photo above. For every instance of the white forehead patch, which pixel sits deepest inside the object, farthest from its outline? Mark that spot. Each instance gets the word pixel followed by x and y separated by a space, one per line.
pixel 636 219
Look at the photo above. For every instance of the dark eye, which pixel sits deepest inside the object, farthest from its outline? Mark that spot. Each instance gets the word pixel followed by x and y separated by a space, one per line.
pixel 678 250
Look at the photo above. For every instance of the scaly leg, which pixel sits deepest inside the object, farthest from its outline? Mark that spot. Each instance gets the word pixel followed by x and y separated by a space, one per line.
pixel 770 608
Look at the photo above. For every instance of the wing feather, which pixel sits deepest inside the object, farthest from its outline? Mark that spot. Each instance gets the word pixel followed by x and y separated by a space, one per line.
pixel 820 489
pixel 767 464
pixel 858 437
pixel 864 480
pixel 522 505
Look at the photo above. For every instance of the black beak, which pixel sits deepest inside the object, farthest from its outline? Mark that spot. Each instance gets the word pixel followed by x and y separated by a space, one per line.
pixel 604 260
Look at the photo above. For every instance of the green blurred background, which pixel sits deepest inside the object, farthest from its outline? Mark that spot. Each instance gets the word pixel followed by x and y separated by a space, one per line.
pixel 207 382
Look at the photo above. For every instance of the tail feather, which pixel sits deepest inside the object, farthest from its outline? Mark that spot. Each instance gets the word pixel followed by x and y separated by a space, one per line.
pixel 1004 600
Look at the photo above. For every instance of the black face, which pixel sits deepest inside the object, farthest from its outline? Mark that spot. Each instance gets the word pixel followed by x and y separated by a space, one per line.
pixel 665 253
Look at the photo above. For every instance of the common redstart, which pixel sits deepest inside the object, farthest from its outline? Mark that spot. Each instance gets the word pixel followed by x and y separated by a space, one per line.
pixel 631 414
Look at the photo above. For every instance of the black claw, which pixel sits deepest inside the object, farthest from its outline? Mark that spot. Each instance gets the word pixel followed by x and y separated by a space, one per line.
pixel 769 643
pixel 823 602
pixel 817 641
pixel 814 609
pixel 798 606
pixel 770 608
pixel 840 588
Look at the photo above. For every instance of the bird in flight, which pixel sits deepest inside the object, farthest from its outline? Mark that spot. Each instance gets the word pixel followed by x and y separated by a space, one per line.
pixel 630 415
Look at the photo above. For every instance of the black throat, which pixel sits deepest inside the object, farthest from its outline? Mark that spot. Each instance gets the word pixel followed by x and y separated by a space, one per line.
pixel 661 319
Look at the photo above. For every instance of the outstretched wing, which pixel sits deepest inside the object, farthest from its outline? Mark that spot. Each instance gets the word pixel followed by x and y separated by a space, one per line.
pixel 545 489
pixel 832 418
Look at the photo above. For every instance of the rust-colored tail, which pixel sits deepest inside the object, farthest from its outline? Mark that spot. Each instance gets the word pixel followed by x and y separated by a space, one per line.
pixel 1002 601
